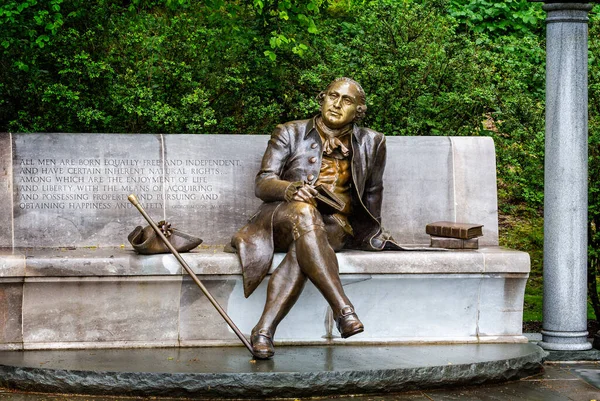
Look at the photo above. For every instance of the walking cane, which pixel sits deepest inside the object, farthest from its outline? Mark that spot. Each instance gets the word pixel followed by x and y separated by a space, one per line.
pixel 133 199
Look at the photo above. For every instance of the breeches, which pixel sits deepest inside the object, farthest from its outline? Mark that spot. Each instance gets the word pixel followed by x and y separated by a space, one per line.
pixel 291 220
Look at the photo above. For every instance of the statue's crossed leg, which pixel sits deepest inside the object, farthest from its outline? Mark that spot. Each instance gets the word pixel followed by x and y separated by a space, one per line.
pixel 311 243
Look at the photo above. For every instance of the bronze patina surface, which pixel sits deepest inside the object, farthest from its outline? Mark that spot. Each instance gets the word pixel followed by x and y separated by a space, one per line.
pixel 330 150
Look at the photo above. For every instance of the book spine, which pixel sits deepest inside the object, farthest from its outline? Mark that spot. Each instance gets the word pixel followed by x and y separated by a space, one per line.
pixel 454 232
pixel 454 243
pixel 459 232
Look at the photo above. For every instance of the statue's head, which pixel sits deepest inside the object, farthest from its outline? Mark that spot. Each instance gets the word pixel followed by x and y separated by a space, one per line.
pixel 342 102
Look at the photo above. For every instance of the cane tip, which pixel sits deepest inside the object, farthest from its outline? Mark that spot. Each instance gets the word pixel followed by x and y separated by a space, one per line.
pixel 133 199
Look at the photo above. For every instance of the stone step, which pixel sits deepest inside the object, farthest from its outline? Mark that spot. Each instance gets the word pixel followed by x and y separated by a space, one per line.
pixel 230 372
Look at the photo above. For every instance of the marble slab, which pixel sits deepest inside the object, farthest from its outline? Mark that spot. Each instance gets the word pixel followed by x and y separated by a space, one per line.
pixel 499 259
pixel 501 305
pixel 97 310
pixel 212 194
pixel 80 312
pixel 71 189
pixel 81 262
pixel 198 318
pixel 401 306
pixel 12 263
pixel 11 303
pixel 417 186
pixel 99 262
pixel 208 261
pixel 410 262
pixel 476 194
pixel 431 179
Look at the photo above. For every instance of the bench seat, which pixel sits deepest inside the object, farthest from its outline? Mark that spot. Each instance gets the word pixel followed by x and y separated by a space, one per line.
pixel 112 297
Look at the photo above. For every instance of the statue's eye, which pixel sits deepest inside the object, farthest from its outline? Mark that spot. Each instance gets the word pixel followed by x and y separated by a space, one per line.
pixel 347 101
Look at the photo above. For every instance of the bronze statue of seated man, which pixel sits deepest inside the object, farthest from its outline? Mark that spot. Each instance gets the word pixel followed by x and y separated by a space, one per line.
pixel 332 151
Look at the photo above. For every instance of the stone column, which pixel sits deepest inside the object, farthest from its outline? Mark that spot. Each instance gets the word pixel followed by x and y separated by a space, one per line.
pixel 566 188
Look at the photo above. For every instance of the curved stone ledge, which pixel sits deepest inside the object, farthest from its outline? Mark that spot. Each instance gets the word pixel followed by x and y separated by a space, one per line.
pixel 294 372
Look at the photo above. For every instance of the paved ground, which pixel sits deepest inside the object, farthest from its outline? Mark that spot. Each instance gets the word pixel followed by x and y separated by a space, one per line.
pixel 559 382
pixel 304 359
pixel 295 372
pixel 576 381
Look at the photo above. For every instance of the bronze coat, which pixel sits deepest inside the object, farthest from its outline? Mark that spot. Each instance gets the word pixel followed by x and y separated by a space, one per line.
pixel 294 154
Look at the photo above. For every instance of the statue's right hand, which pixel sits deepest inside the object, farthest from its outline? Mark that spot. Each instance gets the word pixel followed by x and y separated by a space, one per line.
pixel 306 193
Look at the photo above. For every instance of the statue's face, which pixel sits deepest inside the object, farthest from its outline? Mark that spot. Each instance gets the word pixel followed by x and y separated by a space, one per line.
pixel 339 105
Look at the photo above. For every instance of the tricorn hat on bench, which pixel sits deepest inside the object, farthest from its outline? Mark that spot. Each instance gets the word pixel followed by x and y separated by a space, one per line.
pixel 146 242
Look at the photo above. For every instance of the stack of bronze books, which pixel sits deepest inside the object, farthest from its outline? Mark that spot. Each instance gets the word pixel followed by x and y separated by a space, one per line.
pixel 451 235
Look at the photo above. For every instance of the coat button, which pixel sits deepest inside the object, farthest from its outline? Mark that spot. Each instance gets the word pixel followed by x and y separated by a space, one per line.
pixel 312 159
pixel 311 177
pixel 313 146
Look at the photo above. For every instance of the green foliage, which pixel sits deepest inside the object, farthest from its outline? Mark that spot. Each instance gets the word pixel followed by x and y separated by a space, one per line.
pixel 533 305
pixel 240 67
pixel 417 72
pixel 499 18
pixel 147 65
pixel 594 164
pixel 29 24
pixel 527 234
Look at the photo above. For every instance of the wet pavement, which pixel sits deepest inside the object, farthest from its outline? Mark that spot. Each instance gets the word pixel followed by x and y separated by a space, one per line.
pixel 558 382
pixel 294 372
pixel 237 360
pixel 576 381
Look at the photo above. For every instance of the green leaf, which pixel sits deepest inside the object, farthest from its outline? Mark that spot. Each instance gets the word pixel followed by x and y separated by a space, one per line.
pixel 41 40
pixel 22 66
pixel 271 55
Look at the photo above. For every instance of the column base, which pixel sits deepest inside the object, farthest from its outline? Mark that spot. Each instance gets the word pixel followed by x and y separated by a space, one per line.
pixel 565 341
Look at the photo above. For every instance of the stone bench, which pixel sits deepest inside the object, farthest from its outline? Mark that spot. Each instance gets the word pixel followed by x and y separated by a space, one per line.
pixel 69 279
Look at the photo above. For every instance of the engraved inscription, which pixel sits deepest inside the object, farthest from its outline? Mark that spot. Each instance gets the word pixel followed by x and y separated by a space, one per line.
pixel 105 183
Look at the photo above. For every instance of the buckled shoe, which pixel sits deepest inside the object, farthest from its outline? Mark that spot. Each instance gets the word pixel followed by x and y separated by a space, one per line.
pixel 348 323
pixel 262 344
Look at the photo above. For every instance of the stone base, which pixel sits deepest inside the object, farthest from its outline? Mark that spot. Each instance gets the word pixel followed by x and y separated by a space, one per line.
pixel 113 298
pixel 565 341
pixel 573 356
pixel 294 372
pixel 569 347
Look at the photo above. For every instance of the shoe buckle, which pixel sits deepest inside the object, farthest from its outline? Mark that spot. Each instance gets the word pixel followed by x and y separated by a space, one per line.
pixel 346 311
pixel 264 333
